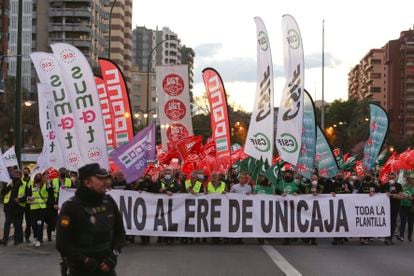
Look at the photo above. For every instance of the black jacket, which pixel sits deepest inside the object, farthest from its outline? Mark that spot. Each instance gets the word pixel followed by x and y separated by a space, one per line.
pixel 89 225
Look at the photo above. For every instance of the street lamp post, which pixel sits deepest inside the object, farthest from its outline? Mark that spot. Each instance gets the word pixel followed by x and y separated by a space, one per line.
pixel 110 27
pixel 18 119
pixel 148 110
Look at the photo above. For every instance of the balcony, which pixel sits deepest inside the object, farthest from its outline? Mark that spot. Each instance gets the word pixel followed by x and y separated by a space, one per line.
pixel 83 43
pixel 70 27
pixel 79 12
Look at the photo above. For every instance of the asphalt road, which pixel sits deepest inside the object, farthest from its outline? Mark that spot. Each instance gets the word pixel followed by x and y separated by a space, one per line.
pixel 224 259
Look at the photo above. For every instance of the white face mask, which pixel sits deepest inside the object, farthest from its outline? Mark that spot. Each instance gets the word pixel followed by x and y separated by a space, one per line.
pixel 314 182
pixel 167 177
pixel 200 176
pixel 73 179
pixel 354 177
pixel 392 181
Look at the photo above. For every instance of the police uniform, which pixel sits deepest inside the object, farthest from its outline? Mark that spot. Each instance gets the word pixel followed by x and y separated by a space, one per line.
pixel 90 229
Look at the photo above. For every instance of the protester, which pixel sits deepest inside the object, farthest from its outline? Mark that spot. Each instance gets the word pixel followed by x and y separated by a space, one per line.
pixel 37 197
pixel 339 186
pixel 193 185
pixel 28 182
pixel 287 186
pixel 14 201
pixel 367 187
pixel 167 185
pixel 241 188
pixel 215 185
pixel 314 188
pixel 75 179
pixel 355 182
pixel 118 181
pixel 407 208
pixel 51 206
pixel 393 190
pixel 263 185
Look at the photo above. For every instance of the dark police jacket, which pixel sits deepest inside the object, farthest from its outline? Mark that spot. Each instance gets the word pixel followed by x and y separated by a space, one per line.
pixel 89 225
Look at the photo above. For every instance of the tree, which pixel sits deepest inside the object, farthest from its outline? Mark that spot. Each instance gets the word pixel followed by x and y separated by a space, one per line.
pixel 238 119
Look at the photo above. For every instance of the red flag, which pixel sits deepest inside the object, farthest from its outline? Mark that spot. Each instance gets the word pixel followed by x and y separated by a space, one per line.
pixel 189 145
pixel 218 113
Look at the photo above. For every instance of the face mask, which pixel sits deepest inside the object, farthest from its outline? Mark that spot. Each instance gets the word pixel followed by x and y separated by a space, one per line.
pixel 297 180
pixel 314 182
pixel 26 175
pixel 167 177
pixel 200 176
pixel 73 178
pixel 354 177
pixel 392 181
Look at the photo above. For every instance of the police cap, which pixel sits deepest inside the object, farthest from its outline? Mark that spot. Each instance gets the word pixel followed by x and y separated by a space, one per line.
pixel 92 170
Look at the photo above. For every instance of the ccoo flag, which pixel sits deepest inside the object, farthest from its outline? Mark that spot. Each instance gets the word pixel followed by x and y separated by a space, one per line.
pixel 132 158
pixel 259 140
pixel 290 114
pixel 377 132
pixel 216 95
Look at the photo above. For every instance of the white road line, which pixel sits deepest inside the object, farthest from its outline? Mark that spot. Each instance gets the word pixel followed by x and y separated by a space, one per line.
pixel 280 261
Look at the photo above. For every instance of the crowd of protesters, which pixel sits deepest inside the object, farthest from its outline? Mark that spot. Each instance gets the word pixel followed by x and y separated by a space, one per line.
pixel 35 199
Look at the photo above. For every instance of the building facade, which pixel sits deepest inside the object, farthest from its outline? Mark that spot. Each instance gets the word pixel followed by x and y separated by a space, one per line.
pixel 121 35
pixel 4 44
pixel 151 48
pixel 386 76
pixel 26 41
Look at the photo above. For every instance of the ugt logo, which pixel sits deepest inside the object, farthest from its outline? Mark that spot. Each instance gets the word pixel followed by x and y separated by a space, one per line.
pixel 173 84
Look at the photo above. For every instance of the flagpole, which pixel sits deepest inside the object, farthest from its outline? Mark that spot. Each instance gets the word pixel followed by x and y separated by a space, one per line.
pixel 323 76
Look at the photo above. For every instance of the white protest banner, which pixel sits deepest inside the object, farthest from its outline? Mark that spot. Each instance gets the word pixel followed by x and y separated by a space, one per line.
pixel 82 93
pixel 259 140
pixel 258 216
pixel 10 159
pixel 49 74
pixel 290 114
pixel 4 174
pixel 51 155
pixel 173 103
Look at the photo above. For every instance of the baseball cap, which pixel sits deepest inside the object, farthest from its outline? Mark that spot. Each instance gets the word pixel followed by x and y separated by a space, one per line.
pixel 92 169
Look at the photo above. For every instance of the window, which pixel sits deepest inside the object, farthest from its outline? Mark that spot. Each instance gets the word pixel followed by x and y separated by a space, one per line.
pixel 375 89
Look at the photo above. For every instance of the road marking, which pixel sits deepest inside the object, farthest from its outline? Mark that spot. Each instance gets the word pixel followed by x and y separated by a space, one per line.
pixel 280 261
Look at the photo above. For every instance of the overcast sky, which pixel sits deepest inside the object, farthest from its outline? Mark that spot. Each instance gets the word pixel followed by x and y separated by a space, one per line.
pixel 223 35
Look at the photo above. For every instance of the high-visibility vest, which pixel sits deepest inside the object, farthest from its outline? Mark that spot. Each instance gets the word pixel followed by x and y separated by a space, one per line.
pixel 211 189
pixel 21 193
pixel 28 183
pixel 38 201
pixel 56 185
pixel 44 192
pixel 196 186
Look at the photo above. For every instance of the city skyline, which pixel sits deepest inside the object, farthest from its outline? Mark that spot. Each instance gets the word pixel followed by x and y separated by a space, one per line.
pixel 351 30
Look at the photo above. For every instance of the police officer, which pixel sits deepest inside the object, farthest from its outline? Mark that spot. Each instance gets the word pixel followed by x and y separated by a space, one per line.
pixel 90 233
